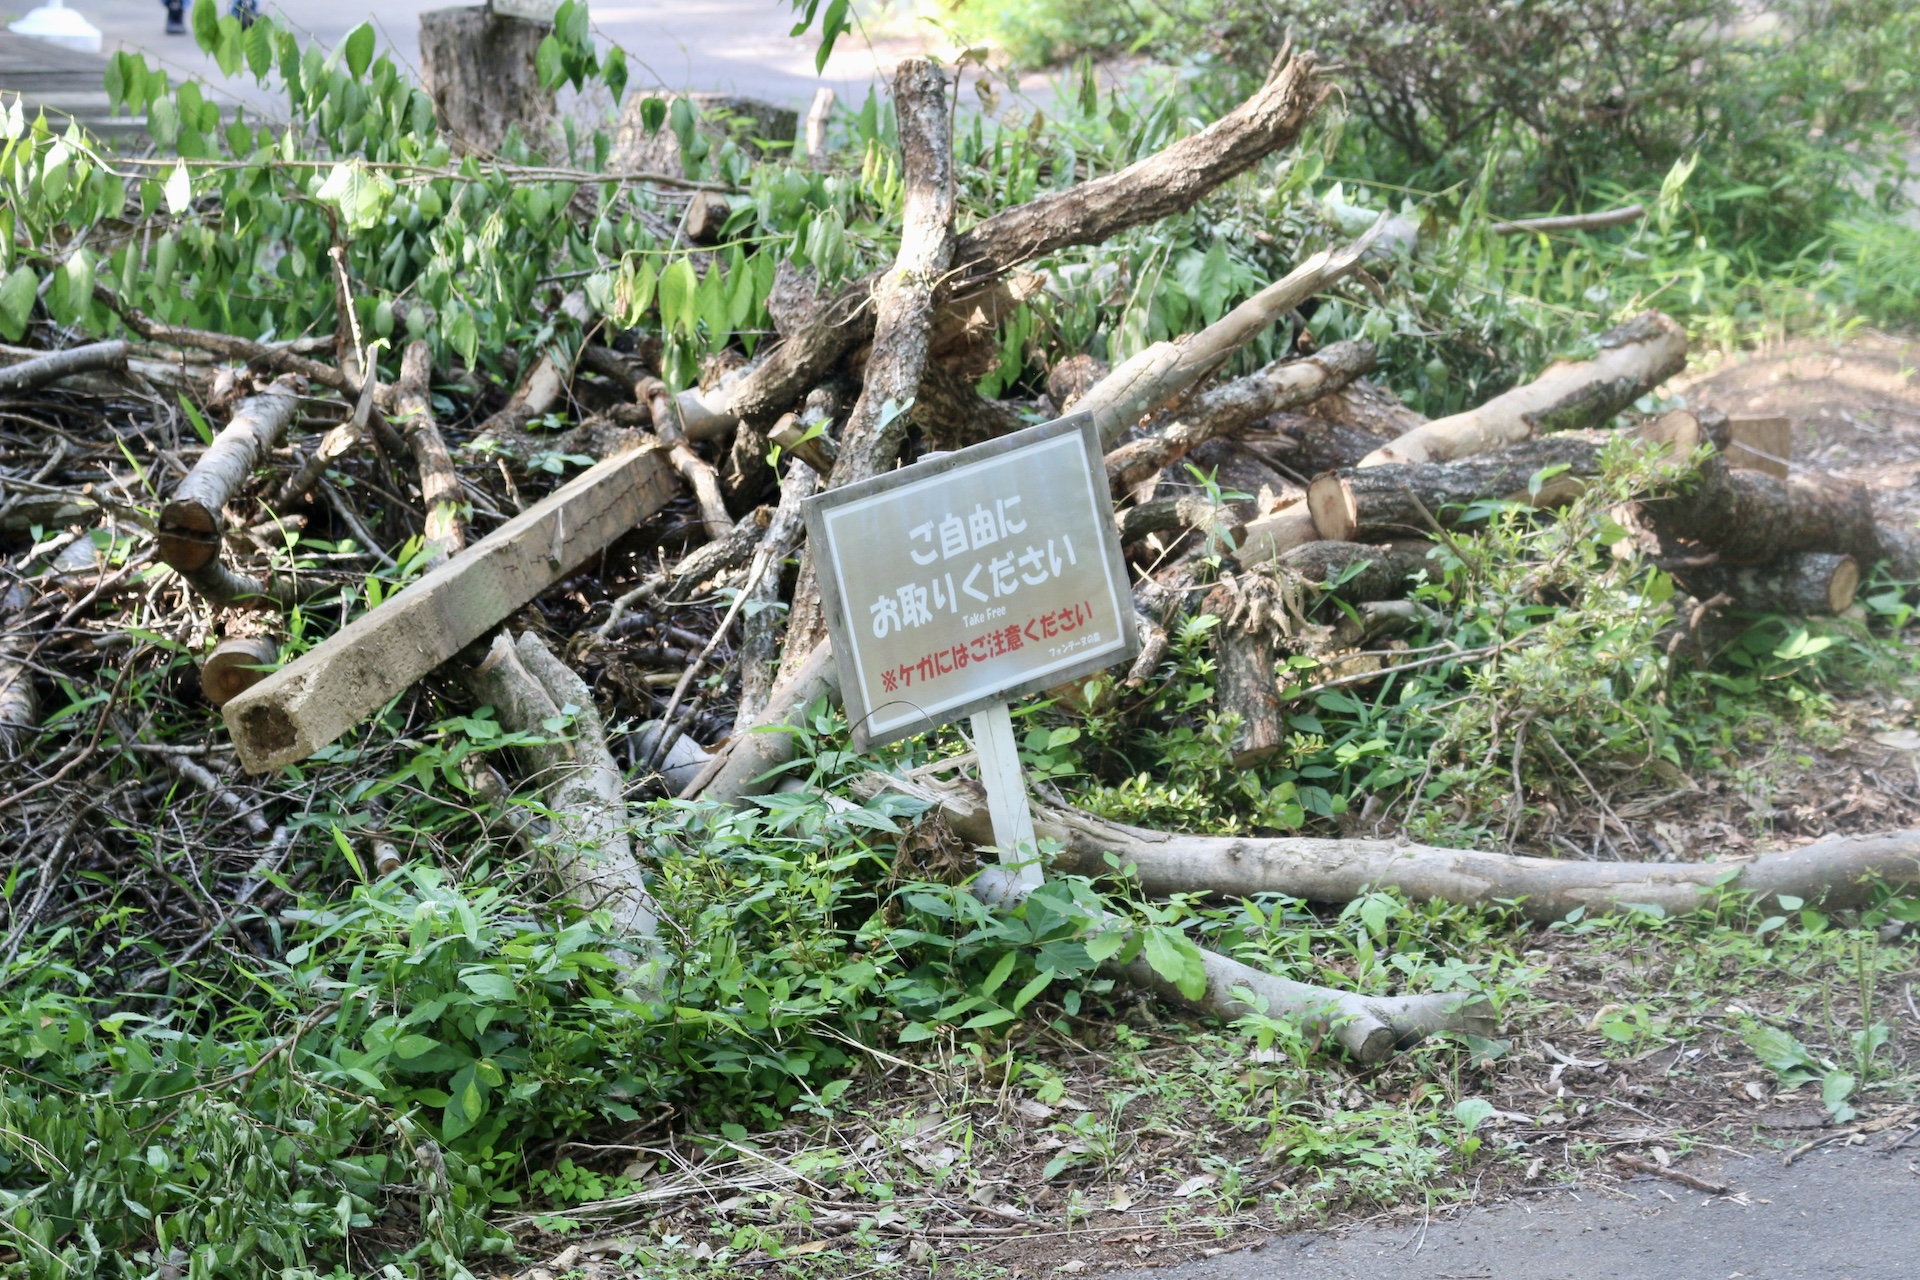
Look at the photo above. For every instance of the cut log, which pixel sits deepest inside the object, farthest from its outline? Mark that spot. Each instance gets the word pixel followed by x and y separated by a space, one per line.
pixel 96 357
pixel 818 114
pixel 1246 654
pixel 440 490
pixel 192 521
pixel 1233 405
pixel 1631 360
pixel 479 67
pixel 1165 183
pixel 1356 572
pixel 903 299
pixel 1380 503
pixel 1365 407
pixel 1839 871
pixel 333 686
pixel 707 215
pixel 236 665
pixel 1751 517
pixel 795 434
pixel 1308 445
pixel 591 849
pixel 1165 372
pixel 1194 511
pixel 1809 584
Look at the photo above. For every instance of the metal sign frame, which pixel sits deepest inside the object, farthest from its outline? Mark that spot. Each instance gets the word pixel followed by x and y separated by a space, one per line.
pixel 831 558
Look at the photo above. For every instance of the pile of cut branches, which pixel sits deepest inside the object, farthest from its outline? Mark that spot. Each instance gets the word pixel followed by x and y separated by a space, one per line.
pixel 342 538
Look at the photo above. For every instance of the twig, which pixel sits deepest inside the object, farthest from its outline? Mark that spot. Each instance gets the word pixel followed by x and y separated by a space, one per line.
pixel 1672 1175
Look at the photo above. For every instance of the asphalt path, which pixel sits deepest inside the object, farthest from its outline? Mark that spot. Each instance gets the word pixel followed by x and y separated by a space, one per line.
pixel 1852 1214
pixel 735 46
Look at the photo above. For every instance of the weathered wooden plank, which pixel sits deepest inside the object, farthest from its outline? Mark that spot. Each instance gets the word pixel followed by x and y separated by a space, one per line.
pixel 313 700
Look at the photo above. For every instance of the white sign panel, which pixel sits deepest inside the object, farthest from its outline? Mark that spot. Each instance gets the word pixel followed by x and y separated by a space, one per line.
pixel 970 579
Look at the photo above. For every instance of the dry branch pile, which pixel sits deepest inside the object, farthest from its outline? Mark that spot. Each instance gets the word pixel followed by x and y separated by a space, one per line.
pixel 625 567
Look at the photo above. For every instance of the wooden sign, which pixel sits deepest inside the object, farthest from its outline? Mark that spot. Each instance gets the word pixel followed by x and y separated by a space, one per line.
pixel 958 583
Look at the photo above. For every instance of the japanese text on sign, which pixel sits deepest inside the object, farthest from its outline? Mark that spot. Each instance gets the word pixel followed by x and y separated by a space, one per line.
pixel 978 576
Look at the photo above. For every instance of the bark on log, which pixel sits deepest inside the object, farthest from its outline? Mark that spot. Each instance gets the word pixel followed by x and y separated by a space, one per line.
pixel 479 68
pixel 1365 407
pixel 1233 405
pixel 1632 360
pixel 1194 511
pixel 1377 572
pixel 1166 371
pixel 313 700
pixel 760 625
pixel 1308 445
pixel 952 414
pixel 1807 583
pixel 1750 517
pixel 1394 501
pixel 19 704
pixel 592 851
pixel 440 489
pixel 1073 378
pixel 192 520
pixel 1838 871
pixel 903 299
pixel 1246 652
pixel 95 357
pixel 753 762
pixel 1167 182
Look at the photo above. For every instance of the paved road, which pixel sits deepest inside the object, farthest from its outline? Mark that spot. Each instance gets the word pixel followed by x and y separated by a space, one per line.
pixel 1850 1214
pixel 739 46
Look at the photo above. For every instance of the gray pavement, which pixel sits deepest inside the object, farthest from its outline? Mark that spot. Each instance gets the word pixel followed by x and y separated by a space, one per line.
pixel 738 46
pixel 1852 1214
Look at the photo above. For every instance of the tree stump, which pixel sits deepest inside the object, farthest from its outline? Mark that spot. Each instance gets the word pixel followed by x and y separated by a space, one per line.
pixel 478 67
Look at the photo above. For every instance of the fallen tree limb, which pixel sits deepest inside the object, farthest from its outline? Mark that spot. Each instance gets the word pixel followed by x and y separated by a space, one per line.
pixel 1631 360
pixel 1570 222
pixel 440 490
pixel 760 627
pixel 1227 408
pixel 95 357
pixel 1307 446
pixel 313 700
pixel 192 521
pixel 1246 651
pixel 693 468
pixel 1839 871
pixel 337 443
pixel 592 851
pixel 1166 371
pixel 1167 182
pixel 276 358
pixel 903 298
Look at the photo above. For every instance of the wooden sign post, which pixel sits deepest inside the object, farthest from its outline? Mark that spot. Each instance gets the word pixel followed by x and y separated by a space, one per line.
pixel 963 582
